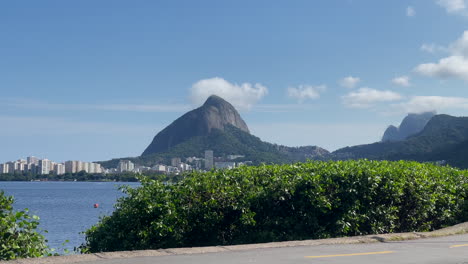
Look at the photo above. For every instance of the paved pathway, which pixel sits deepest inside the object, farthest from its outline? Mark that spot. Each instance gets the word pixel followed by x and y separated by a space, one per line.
pixel 440 246
pixel 451 249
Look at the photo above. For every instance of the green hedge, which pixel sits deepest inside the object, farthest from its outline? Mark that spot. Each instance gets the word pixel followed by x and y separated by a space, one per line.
pixel 18 235
pixel 284 202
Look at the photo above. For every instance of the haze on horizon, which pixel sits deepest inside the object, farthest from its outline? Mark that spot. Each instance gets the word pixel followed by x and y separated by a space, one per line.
pixel 89 80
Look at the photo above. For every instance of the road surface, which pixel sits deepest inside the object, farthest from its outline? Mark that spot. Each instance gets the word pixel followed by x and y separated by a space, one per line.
pixel 446 250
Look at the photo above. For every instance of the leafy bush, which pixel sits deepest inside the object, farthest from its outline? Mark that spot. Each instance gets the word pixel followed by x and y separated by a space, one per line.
pixel 18 235
pixel 284 202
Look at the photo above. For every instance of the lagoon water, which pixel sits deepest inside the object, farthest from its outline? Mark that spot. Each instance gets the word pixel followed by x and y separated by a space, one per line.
pixel 65 208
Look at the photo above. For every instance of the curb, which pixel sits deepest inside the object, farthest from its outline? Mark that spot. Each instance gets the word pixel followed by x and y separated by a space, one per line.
pixel 381 238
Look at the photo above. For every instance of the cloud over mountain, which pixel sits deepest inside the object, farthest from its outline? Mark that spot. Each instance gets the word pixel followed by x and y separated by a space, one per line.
pixel 242 96
pixel 420 104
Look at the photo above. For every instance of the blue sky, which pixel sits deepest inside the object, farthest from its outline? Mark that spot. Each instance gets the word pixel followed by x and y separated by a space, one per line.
pixel 94 80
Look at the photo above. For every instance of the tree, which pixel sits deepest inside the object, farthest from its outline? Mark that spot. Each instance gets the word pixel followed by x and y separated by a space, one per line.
pixel 18 232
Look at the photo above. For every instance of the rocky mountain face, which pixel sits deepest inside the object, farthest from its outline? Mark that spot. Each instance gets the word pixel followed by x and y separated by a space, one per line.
pixel 411 125
pixel 215 113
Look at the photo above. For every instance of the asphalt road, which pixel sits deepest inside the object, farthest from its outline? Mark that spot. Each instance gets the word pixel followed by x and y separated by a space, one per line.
pixel 451 249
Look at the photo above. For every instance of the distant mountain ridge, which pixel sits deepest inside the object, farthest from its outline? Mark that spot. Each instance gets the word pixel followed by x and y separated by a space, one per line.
pixel 411 125
pixel 217 126
pixel 440 138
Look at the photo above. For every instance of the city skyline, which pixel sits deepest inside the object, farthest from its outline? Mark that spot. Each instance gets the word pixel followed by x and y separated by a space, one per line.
pixel 44 166
pixel 97 80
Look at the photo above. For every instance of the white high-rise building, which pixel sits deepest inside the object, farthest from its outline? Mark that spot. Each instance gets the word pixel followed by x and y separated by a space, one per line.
pixel 159 168
pixel 225 165
pixel 91 167
pixel 126 165
pixel 97 168
pixel 79 166
pixel 12 167
pixel 44 167
pixel 209 159
pixel 32 160
pixel 52 167
pixel 59 168
pixel 175 162
pixel 4 168
pixel 71 166
pixel 86 166
pixel 19 165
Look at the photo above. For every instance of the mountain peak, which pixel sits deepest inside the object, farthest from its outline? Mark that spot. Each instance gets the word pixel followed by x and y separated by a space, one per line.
pixel 411 125
pixel 215 100
pixel 215 113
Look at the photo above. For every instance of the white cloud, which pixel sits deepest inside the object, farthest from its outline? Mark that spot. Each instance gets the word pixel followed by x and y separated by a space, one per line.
pixel 242 96
pixel 419 104
pixel 349 82
pixel 433 48
pixel 304 92
pixel 410 12
pixel 453 6
pixel 460 46
pixel 402 81
pixel 367 97
pixel 450 67
pixel 453 66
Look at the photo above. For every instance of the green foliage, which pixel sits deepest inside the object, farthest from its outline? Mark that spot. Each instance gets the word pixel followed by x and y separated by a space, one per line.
pixel 284 202
pixel 18 235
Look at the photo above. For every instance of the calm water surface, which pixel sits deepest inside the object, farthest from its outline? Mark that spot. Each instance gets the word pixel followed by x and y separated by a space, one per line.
pixel 65 208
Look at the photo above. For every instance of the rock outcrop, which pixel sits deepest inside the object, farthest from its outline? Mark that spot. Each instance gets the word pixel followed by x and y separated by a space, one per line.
pixel 411 125
pixel 215 113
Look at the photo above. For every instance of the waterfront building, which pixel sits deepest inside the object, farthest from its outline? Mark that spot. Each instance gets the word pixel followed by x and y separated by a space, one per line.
pixel 184 167
pixel 232 157
pixel 19 166
pixel 59 168
pixel 32 160
pixel 11 167
pixel 44 167
pixel 159 168
pixel 208 159
pixel 97 168
pixel 73 166
pixel 79 166
pixel 69 167
pixel 87 167
pixel 175 162
pixel 225 165
pixel 126 165
pixel 4 168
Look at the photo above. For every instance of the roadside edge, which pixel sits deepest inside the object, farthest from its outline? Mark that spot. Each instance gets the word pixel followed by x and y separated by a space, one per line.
pixel 453 230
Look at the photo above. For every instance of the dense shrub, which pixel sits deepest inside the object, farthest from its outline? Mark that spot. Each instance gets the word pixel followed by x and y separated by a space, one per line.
pixel 284 202
pixel 18 235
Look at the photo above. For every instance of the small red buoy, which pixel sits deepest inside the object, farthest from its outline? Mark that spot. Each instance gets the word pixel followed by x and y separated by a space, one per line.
pixel 96 205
